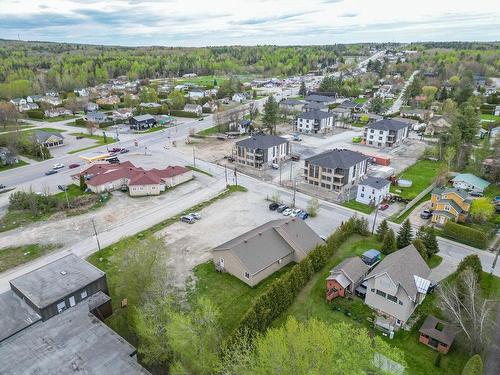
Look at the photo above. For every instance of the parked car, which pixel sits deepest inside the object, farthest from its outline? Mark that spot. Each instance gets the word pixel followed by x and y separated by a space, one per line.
pixel 124 188
pixel 115 150
pixel 275 166
pixel 295 212
pixel 273 206
pixel 383 206
pixel 74 165
pixel 52 171
pixel 360 291
pixel 281 208
pixel 124 150
pixel 195 215
pixel 166 147
pixel 287 212
pixel 303 215
pixel 426 214
pixel 79 137
pixel 58 166
pixel 62 187
pixel 476 194
pixel 188 219
pixel 2 186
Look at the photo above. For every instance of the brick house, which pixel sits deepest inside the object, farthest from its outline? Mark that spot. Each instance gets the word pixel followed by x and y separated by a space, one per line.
pixel 345 277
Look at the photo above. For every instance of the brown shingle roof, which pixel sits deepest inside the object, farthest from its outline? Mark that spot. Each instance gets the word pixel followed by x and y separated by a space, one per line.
pixel 446 335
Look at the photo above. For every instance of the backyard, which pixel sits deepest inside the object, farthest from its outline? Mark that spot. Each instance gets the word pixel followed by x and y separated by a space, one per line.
pixel 422 174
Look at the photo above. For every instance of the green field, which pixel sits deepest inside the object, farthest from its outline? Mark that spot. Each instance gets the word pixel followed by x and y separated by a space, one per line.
pixel 11 257
pixel 355 205
pixel 209 131
pixel 489 118
pixel 422 174
pixel 205 81
pixel 11 166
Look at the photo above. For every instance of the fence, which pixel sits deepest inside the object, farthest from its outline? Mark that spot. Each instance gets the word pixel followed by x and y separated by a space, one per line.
pixel 415 200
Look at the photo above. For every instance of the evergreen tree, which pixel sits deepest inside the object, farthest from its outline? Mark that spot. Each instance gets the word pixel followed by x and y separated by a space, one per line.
pixel 270 117
pixel 215 83
pixel 428 237
pixel 389 244
pixel 382 230
pixel 405 235
pixel 83 185
pixel 302 90
pixel 419 245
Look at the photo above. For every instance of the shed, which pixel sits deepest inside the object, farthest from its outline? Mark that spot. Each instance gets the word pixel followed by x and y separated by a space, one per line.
pixel 437 334
pixel 370 257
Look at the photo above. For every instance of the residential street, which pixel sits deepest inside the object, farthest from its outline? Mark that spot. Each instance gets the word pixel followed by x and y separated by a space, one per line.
pixel 399 101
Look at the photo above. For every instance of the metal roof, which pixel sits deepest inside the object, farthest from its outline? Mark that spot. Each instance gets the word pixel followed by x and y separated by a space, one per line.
pixel 337 158
pixel 388 124
pixel 261 142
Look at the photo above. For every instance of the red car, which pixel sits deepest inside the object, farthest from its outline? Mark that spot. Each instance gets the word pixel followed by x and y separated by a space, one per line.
pixel 115 150
pixel 383 206
pixel 71 166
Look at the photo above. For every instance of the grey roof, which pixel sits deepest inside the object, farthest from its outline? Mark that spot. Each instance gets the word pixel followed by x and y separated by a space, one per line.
pixel 445 335
pixel 15 315
pixel 354 268
pixel 349 104
pixel 291 102
pixel 388 124
pixel 314 115
pixel 315 105
pixel 145 117
pixel 319 98
pixel 96 115
pixel 42 135
pixel 192 106
pixel 444 213
pixel 56 280
pixel 262 246
pixel 261 142
pixel 74 341
pixel 402 266
pixel 376 183
pixel 341 110
pixel 337 158
pixel 452 203
pixel 460 192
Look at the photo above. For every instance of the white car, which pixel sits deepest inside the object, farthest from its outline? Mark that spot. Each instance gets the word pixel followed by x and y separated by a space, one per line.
pixel 195 215
pixel 58 166
pixel 166 147
pixel 295 212
pixel 287 212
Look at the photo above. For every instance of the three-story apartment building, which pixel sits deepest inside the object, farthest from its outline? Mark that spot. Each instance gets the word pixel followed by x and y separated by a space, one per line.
pixel 261 150
pixel 386 133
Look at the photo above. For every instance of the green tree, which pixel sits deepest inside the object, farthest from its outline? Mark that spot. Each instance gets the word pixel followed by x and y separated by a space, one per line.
pixel 428 237
pixel 382 230
pixel 148 95
pixel 419 245
pixel 177 100
pixel 271 114
pixel 313 207
pixel 482 210
pixel 389 244
pixel 474 366
pixel 83 185
pixel 377 105
pixel 471 262
pixel 292 349
pixel 405 235
pixel 302 89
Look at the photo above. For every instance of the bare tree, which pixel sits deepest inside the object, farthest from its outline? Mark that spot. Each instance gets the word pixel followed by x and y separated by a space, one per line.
pixel 466 308
pixel 8 113
pixel 91 126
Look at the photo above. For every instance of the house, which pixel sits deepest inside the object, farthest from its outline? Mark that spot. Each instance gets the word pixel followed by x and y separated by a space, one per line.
pixel 140 182
pixel 326 100
pixel 91 107
pixel 450 204
pixel 28 107
pixel 372 190
pixel 210 107
pixel 56 112
pixel 96 117
pixel 291 105
pixel 315 106
pixel 52 100
pixel 193 108
pixel 497 110
pixel 48 139
pixel 196 93
pixel 386 133
pixel 165 120
pixel 18 101
pixel 396 287
pixel 345 277
pixel 437 125
pixel 150 105
pixel 341 116
pixel 242 126
pixel 111 100
pixel 52 94
pixel 7 157
pixel 468 181
pixel 314 122
pixel 238 97
pixel 81 92
pixel 258 253
pixel 421 114
pixel 34 98
pixel 336 169
pixel 437 334
pixel 122 114
pixel 142 122
pixel 60 285
pixel 351 105
pixel 261 150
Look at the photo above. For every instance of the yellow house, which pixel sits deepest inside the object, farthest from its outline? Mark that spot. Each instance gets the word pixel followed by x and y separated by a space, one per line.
pixel 449 204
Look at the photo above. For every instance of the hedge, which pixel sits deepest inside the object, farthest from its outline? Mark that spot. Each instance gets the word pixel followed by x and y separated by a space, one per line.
pixel 80 122
pixel 36 113
pixel 281 293
pixel 179 113
pixel 465 235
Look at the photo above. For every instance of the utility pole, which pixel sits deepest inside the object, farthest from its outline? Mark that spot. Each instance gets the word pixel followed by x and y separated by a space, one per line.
pixel 294 191
pixel 96 237
pixel 375 220
pixel 280 172
pixel 497 244
pixel 225 173
pixel 235 177
pixel 66 193
pixel 194 157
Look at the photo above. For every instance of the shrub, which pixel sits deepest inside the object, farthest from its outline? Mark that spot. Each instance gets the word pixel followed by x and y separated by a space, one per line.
pixel 474 366
pixel 180 113
pixel 313 207
pixel 389 244
pixel 80 122
pixel 465 235
pixel 471 261
pixel 36 113
pixel 382 230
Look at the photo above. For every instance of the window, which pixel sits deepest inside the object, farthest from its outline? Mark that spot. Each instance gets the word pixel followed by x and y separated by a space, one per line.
pixel 354 171
pixel 401 303
pixel 362 188
pixel 83 294
pixel 373 290
pixel 362 195
pixel 247 275
pixel 447 208
pixel 379 138
pixel 380 293
pixel 381 132
pixel 392 298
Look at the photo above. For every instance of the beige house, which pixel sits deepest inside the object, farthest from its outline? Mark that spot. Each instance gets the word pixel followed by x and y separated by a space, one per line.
pixel 396 287
pixel 258 253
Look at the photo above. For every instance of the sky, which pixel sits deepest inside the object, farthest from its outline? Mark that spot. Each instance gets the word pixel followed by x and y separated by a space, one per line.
pixel 250 22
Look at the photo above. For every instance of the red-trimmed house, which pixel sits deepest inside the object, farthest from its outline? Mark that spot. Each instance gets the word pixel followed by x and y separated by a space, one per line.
pixel 345 277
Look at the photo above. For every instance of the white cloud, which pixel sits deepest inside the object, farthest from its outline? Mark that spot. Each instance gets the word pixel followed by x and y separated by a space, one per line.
pixel 222 22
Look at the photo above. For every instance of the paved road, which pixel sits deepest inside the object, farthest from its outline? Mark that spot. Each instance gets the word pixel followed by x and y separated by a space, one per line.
pixel 399 101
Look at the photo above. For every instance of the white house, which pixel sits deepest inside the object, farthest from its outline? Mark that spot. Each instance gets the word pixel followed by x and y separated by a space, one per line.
pixel 196 93
pixel 238 97
pixel 18 101
pixel 314 122
pixel 81 92
pixel 470 182
pixel 194 108
pixel 386 133
pixel 372 190
pixel 52 100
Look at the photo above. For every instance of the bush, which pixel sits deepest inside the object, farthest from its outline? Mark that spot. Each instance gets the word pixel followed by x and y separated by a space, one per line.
pixel 389 244
pixel 472 262
pixel 80 122
pixel 36 113
pixel 474 366
pixel 206 110
pixel 313 207
pixel 465 235
pixel 180 113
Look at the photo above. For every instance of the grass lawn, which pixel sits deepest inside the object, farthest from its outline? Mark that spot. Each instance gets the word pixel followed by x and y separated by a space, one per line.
pixel 11 257
pixel 206 81
pixel 422 174
pixel 60 118
pixel 232 296
pixel 209 131
pixel 355 205
pixel 12 126
pixel 358 124
pixel 194 169
pixel 434 261
pixel 100 141
pixel 11 166
pixel 360 100
pixel 489 118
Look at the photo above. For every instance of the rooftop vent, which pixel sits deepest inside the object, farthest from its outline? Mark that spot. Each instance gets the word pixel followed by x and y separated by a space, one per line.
pixel 63 273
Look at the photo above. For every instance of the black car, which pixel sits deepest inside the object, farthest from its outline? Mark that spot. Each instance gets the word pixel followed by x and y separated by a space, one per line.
pixel 62 187
pixel 476 194
pixel 124 150
pixel 52 171
pixel 282 208
pixel 426 214
pixel 273 206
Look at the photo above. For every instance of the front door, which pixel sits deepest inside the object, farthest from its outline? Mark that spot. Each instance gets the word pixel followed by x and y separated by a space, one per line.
pixel 72 301
pixel 221 262
pixel 441 219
